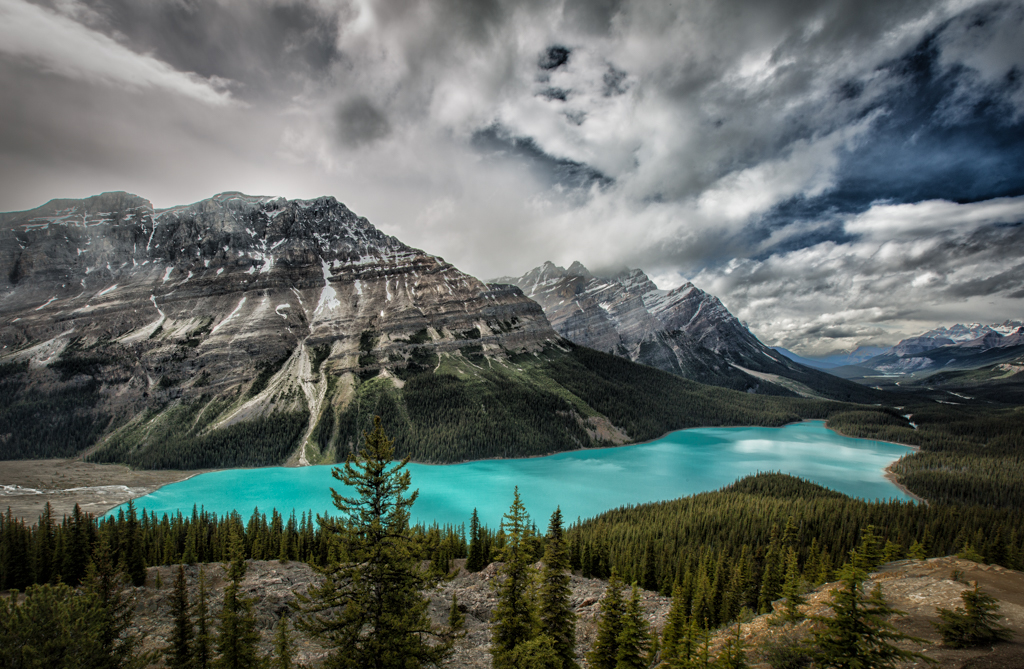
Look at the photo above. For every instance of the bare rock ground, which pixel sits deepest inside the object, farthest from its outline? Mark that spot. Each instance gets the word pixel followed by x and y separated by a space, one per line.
pixel 913 586
pixel 918 588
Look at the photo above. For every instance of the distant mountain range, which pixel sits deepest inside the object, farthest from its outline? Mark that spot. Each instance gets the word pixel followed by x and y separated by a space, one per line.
pixel 244 330
pixel 684 331
pixel 960 347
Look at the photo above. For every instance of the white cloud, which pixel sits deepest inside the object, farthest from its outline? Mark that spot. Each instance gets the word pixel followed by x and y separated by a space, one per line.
pixel 913 266
pixel 924 219
pixel 59 44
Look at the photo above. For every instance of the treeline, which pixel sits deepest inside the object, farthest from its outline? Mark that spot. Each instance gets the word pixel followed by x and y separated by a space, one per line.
pixel 727 550
pixel 59 551
pixel 723 548
pixel 36 423
pixel 537 404
pixel 648 402
pixel 176 438
pixel 441 418
pixel 969 455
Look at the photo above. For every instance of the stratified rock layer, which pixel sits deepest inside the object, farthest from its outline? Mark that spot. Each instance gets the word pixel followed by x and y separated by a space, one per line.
pixel 166 305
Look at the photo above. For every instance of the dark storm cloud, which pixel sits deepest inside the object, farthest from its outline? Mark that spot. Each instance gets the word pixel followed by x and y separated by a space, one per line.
pixel 359 122
pixel 831 169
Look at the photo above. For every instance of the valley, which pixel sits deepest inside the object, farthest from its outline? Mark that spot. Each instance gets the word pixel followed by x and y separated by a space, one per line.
pixel 142 347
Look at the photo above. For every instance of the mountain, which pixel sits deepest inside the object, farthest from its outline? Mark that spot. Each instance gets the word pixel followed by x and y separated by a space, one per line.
pixel 684 331
pixel 244 330
pixel 960 347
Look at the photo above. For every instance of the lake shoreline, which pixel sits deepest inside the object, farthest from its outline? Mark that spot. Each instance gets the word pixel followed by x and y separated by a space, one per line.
pixel 584 482
pixel 143 482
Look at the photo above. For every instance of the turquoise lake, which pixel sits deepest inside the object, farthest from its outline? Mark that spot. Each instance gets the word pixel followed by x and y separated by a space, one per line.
pixel 584 483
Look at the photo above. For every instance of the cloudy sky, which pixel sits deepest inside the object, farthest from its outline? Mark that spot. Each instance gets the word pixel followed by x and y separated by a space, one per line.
pixel 839 172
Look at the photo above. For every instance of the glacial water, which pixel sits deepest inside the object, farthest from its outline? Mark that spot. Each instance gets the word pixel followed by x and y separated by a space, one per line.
pixel 584 483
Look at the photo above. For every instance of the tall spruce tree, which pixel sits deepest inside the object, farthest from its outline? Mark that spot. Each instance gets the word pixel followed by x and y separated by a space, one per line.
pixel 676 647
pixel 114 613
pixel 283 647
pixel 180 650
pixel 792 590
pixel 515 617
pixel 475 559
pixel 51 627
pixel 605 651
pixel 370 610
pixel 557 618
pixel 236 635
pixel 733 654
pixel 203 653
pixel 634 640
pixel 859 633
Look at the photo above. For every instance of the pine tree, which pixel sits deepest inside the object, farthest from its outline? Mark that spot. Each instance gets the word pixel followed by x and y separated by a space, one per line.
pixel 114 613
pixel 134 560
pixel 634 640
pixel 648 568
pixel 236 636
pixel 859 635
pixel 53 626
pixel 283 647
pixel 557 618
pixel 202 654
pixel 893 551
pixel 514 615
pixel 869 553
pixel 733 654
pixel 604 654
pixel 676 628
pixel 369 609
pixel 792 590
pixel 44 547
pixel 475 560
pixel 771 579
pixel 456 618
pixel 974 624
pixel 179 652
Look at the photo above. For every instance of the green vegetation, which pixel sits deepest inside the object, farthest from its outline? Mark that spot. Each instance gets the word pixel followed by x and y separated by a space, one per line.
pixel 179 438
pixel 974 624
pixel 469 407
pixel 727 550
pixel 742 547
pixel 858 633
pixel 370 610
pixel 36 423
pixel 969 455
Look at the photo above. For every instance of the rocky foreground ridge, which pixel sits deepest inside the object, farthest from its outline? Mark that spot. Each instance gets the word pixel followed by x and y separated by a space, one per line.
pixel 913 586
pixel 685 331
pixel 114 309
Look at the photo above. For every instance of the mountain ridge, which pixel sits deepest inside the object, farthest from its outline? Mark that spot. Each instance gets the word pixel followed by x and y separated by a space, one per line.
pixel 684 331
pixel 249 330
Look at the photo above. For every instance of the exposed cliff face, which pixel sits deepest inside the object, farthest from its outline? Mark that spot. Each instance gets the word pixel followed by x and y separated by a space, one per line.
pixel 684 330
pixel 252 300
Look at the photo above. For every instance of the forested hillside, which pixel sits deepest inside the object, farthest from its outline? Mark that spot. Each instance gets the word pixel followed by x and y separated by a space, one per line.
pixel 969 454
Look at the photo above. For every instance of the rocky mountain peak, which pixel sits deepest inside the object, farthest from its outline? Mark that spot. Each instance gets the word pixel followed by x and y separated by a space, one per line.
pixel 206 299
pixel 683 330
